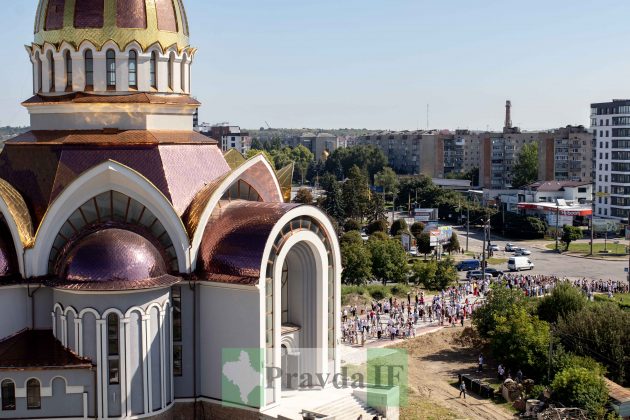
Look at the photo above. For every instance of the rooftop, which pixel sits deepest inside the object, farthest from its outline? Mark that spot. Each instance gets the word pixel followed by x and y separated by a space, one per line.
pixel 38 349
pixel 551 186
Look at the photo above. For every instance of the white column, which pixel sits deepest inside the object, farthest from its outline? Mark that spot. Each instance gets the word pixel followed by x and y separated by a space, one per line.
pixel 100 73
pixel 185 69
pixel 60 72
pixel 45 79
pixel 122 71
pixel 77 345
pixel 146 365
pixel 147 337
pixel 35 75
pixel 99 372
pixel 78 71
pixel 54 323
pixel 144 72
pixel 177 75
pixel 162 73
pixel 80 341
pixel 170 325
pixel 127 365
pixel 162 361
pixel 64 331
pixel 103 368
pixel 124 391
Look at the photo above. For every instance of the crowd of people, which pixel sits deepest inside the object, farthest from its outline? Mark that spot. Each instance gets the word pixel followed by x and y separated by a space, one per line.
pixel 540 285
pixel 396 318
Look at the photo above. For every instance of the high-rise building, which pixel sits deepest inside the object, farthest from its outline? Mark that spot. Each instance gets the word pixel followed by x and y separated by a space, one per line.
pixel 410 152
pixel 611 124
pixel 566 154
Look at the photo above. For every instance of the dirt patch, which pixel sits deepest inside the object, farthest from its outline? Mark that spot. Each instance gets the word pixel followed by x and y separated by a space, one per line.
pixel 435 360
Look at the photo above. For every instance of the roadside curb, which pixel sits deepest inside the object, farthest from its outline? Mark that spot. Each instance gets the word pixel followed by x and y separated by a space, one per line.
pixel 585 257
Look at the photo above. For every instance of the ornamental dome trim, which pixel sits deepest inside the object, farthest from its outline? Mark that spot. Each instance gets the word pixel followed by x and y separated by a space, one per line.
pixel 122 21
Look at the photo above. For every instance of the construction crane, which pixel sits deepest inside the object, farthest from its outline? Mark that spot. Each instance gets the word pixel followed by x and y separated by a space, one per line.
pixel 268 126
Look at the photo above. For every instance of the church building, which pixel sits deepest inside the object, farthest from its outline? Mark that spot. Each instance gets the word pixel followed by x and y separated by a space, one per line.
pixel 135 254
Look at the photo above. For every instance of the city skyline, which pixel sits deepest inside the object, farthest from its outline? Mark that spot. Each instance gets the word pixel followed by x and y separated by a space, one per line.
pixel 377 66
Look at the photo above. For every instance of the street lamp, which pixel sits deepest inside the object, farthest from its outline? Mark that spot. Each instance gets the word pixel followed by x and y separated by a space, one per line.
pixel 557 217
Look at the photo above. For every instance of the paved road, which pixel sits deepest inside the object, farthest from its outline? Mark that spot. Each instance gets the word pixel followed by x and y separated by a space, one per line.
pixel 549 262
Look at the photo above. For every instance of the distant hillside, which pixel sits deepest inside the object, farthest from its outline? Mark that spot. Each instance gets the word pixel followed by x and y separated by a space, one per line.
pixel 265 133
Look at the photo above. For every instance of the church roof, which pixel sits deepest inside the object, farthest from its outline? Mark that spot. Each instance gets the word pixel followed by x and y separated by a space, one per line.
pixel 134 98
pixel 235 238
pixel 41 164
pixel 38 349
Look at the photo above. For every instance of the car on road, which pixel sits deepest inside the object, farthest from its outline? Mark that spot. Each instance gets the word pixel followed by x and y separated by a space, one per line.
pixel 522 251
pixel 509 247
pixel 494 248
pixel 468 265
pixel 364 236
pixel 520 263
pixel 413 251
pixel 494 272
pixel 477 275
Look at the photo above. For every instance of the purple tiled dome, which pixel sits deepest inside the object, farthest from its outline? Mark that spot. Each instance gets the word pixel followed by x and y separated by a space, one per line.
pixel 113 255
pixel 8 256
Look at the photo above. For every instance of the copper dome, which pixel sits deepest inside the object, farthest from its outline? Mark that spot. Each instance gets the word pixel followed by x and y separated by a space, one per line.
pixel 113 255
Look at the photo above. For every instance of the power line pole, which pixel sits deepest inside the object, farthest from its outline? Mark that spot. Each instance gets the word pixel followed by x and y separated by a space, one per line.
pixel 557 222
pixel 483 258
pixel 467 224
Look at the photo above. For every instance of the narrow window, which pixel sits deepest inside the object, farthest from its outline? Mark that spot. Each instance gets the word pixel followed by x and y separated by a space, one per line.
pixel 89 69
pixel 8 395
pixel 183 73
pixel 133 69
pixel 153 70
pixel 51 72
pixel 171 63
pixel 113 355
pixel 177 330
pixel 68 70
pixel 110 57
pixel 39 73
pixel 33 397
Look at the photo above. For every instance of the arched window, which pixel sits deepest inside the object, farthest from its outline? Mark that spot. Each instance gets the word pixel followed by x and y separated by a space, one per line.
pixel 153 70
pixel 171 63
pixel 133 69
pixel 68 60
pixel 183 74
pixel 8 395
pixel 33 397
pixel 113 354
pixel 51 71
pixel 89 69
pixel 110 57
pixel 38 65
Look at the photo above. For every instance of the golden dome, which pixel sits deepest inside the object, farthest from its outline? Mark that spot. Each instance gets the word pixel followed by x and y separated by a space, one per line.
pixel 123 21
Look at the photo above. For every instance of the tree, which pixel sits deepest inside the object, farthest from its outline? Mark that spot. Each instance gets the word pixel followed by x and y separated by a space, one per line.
pixel 303 196
pixel 416 229
pixel 333 203
pixel 445 275
pixel 564 301
pixel 256 144
pixel 453 244
pixel 376 208
pixel 376 226
pixel 356 261
pixel 253 152
pixel 352 237
pixel 500 302
pixel 600 331
pixel 302 158
pixel 389 260
pixel 356 194
pixel 570 234
pixel 423 243
pixel 522 341
pixel 424 272
pixel 368 158
pixel 580 387
pixel 351 225
pixel 399 226
pixel 526 168
pixel 388 180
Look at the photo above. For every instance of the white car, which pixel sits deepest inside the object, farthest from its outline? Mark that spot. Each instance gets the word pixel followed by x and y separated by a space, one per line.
pixel 364 236
pixel 494 248
pixel 523 251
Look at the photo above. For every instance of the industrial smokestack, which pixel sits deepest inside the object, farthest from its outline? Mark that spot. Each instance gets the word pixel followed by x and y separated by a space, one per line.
pixel 508 115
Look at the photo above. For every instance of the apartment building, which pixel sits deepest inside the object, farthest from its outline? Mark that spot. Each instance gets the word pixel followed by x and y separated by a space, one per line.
pixel 610 122
pixel 411 152
pixel 566 154
pixel 228 136
pixel 321 145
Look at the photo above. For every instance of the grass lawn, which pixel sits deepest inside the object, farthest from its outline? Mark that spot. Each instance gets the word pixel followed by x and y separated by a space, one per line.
pixel 496 261
pixel 622 299
pixel 585 248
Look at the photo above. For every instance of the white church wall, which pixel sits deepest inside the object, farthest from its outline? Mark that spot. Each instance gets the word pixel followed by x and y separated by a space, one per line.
pixel 229 318
pixel 13 310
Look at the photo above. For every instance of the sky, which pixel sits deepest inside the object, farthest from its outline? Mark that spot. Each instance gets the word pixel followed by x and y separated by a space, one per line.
pixel 377 64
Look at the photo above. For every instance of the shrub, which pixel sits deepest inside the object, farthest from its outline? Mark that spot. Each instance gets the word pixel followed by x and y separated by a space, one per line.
pixel 399 226
pixel 400 289
pixel 376 226
pixel 579 387
pixel 378 291
pixel 351 225
pixel 563 301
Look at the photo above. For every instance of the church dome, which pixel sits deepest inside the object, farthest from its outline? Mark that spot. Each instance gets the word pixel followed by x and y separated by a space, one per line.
pixel 113 255
pixel 146 22
pixel 8 256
